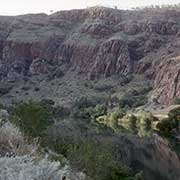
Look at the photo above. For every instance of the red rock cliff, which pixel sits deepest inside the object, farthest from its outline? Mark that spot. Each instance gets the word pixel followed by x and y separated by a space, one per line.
pixel 95 41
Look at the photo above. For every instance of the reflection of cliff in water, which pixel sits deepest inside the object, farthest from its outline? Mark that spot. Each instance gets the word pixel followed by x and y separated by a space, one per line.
pixel 154 157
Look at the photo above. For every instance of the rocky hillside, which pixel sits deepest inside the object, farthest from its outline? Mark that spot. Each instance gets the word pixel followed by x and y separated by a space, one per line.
pixel 97 42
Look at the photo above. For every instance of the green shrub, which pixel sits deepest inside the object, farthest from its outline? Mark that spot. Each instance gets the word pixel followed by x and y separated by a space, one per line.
pixel 89 113
pixel 144 124
pixel 96 159
pixel 2 106
pixel 33 118
pixel 81 147
pixel 146 119
pixel 166 126
pixel 175 114
pixel 82 103
pixel 103 87
pixel 114 116
pixel 118 113
pixel 177 101
pixel 99 110
pixel 126 79
pixel 133 123
pixel 132 101
pixel 85 102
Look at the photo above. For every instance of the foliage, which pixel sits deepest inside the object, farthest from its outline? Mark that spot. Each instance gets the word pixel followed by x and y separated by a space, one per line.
pixel 137 124
pixel 175 114
pixel 85 102
pixel 1 106
pixel 84 152
pixel 103 87
pixel 119 121
pixel 111 119
pixel 135 97
pixel 145 119
pixel 96 159
pixel 165 126
pixel 171 124
pixel 88 112
pixel 118 113
pixel 133 123
pixel 33 118
pixel 132 101
pixel 26 168
pixel 177 101
pixel 13 141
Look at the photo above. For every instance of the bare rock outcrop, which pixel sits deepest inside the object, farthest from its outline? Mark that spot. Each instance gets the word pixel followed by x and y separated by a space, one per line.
pixel 97 41
pixel 167 81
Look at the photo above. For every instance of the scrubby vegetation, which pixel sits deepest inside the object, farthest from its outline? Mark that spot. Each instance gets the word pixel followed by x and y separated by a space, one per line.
pixel 84 151
pixel 120 121
pixel 96 159
pixel 170 128
pixel 32 118
pixel 25 167
pixel 13 141
pixel 134 98
pixel 21 158
pixel 171 125
pixel 177 101
pixel 84 135
pixel 132 102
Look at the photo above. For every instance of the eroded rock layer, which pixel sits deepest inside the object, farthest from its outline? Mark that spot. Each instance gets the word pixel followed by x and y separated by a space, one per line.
pixel 95 41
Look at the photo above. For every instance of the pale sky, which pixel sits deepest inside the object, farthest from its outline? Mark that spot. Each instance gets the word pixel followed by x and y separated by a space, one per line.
pixel 15 7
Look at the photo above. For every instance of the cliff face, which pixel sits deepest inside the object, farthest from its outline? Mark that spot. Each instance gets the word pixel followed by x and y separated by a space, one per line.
pixel 167 81
pixel 95 41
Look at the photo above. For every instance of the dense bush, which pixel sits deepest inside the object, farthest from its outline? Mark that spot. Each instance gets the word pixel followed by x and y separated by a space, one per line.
pixel 84 102
pixel 140 124
pixel 76 142
pixel 132 101
pixel 103 87
pixel 87 109
pixel 95 159
pixel 126 79
pixel 21 159
pixel 175 114
pixel 171 124
pixel 139 91
pixel 146 119
pixel 133 123
pixel 1 106
pixel 118 113
pixel 177 101
pixel 33 118
pixel 165 126
pixel 111 119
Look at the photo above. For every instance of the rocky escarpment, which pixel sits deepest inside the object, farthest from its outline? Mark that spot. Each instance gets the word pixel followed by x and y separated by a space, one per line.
pixel 95 41
pixel 167 81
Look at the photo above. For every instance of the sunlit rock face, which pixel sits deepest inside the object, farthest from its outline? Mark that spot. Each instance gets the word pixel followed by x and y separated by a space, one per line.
pixel 167 81
pixel 97 42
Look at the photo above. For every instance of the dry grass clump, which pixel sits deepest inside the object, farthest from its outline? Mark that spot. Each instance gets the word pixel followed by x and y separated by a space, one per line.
pixel 13 142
